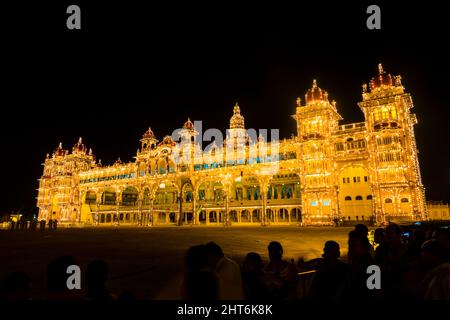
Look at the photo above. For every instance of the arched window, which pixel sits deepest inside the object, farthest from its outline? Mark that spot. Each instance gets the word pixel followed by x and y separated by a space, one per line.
pixel 358 198
pixel 388 200
pixel 404 200
pixel 348 198
pixel 369 197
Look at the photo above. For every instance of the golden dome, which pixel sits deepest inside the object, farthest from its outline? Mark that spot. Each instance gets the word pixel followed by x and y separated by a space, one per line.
pixel 148 134
pixel 382 80
pixel 167 141
pixel 188 125
pixel 316 94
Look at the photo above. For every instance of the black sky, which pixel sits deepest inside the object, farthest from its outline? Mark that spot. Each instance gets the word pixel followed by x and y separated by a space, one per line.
pixel 133 66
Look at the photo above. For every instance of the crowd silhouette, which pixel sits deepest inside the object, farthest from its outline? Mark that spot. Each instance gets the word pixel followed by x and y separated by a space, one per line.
pixel 414 266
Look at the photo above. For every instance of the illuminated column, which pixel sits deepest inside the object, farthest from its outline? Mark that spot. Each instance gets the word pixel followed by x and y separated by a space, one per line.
pixel 116 213
pixel 180 212
pixel 97 213
pixel 196 215
pixel 140 209
pixel 263 184
pixel 226 221
pixel 152 218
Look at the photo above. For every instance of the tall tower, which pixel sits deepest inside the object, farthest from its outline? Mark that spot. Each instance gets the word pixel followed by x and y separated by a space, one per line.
pixel 316 121
pixel 397 185
pixel 236 138
pixel 58 195
pixel 189 148
pixel 148 141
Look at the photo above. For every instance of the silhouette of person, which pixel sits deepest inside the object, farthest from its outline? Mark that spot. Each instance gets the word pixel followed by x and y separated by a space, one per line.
pixel 359 259
pixel 280 275
pixel 436 283
pixel 228 271
pixel 394 264
pixel 379 238
pixel 331 276
pixel 253 277
pixel 96 276
pixel 200 283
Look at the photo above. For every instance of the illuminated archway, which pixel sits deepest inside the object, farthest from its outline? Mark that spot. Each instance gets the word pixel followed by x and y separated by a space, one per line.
pixel 130 196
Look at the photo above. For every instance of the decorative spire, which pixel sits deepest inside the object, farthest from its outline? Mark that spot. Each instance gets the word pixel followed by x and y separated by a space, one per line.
pixel 299 102
pixel 237 120
pixel 382 81
pixel 188 124
pixel 79 147
pixel 315 94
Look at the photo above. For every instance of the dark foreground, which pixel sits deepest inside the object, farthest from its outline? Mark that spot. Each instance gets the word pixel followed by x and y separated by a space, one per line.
pixel 149 262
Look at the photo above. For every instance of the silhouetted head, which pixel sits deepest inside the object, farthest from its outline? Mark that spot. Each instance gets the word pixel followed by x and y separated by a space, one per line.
pixel 15 287
pixel 358 245
pixel 196 258
pixel 275 251
pixel 96 274
pixel 252 262
pixel 362 228
pixel 57 273
pixel 393 233
pixel 379 235
pixel 331 250
pixel 214 252
pixel 434 253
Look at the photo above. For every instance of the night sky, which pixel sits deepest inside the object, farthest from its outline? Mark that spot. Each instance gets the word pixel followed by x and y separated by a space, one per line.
pixel 131 67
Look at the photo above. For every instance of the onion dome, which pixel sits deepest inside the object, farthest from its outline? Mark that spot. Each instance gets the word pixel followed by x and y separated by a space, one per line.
pixel 237 120
pixel 59 152
pixel 148 134
pixel 79 147
pixel 167 141
pixel 315 94
pixel 383 79
pixel 188 125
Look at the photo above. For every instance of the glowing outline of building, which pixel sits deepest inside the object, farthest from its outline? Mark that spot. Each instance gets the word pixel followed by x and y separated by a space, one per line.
pixel 358 172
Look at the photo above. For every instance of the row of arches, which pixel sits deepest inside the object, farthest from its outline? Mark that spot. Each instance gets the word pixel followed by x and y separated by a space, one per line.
pixel 274 215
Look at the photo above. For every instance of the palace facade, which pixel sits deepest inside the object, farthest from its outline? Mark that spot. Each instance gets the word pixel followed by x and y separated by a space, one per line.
pixel 327 171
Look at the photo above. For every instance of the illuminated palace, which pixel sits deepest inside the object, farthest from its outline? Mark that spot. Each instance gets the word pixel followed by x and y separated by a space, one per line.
pixel 327 171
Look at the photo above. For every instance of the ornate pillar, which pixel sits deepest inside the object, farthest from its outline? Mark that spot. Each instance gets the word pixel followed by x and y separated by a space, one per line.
pixel 196 215
pixel 140 210
pixel 116 213
pixel 264 182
